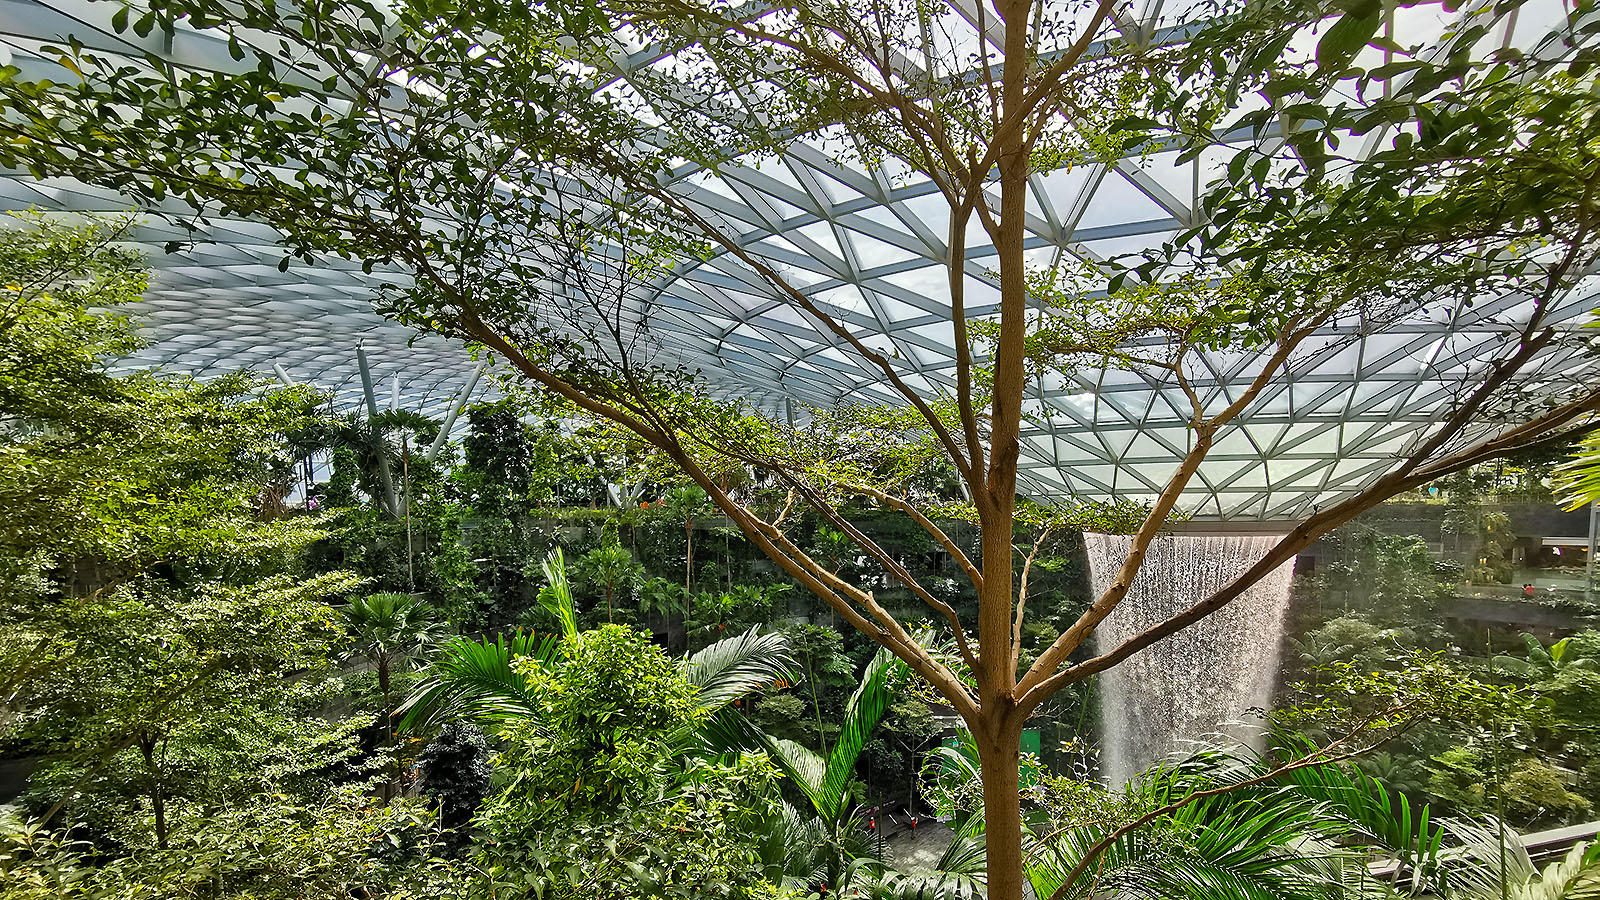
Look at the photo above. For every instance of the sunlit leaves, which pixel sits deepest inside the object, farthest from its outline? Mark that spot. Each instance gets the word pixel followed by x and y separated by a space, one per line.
pixel 1375 703
pixel 130 470
pixel 1577 482
pixel 335 127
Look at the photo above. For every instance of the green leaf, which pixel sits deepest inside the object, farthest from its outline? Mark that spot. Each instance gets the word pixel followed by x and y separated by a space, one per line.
pixel 1347 36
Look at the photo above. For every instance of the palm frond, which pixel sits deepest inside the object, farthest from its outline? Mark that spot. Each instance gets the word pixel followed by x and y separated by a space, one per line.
pixel 397 627
pixel 1258 841
pixel 866 707
pixel 1382 818
pixel 556 597
pixel 728 732
pixel 807 770
pixel 1577 481
pixel 960 874
pixel 1484 859
pixel 1574 877
pixel 735 667
pixel 476 679
pixel 789 848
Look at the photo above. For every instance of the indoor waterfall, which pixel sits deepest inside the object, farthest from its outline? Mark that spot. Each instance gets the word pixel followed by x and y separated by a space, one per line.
pixel 1203 681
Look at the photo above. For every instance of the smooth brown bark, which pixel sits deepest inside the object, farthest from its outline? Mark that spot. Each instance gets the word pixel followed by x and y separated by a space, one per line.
pixel 997 702
pixel 999 757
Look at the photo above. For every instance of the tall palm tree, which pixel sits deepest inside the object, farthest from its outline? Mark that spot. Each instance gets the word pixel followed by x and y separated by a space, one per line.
pixel 374 444
pixel 687 503
pixel 389 631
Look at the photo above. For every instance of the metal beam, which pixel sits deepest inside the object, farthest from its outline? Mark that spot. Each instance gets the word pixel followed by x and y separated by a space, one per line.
pixel 391 501
pixel 455 410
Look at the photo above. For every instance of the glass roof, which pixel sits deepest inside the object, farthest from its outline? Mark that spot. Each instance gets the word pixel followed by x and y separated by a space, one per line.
pixel 868 245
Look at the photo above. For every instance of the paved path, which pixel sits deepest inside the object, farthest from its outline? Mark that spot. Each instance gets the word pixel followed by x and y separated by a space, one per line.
pixel 917 850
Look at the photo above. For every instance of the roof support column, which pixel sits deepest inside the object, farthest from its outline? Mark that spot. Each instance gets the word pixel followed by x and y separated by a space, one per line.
pixel 391 502
pixel 455 411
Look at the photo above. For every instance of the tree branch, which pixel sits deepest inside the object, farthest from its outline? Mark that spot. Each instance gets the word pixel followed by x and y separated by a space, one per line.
pixel 1303 534
pixel 1074 636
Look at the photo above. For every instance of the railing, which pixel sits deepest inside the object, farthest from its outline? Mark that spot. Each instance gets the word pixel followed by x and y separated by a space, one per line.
pixel 1542 847
pixel 1549 845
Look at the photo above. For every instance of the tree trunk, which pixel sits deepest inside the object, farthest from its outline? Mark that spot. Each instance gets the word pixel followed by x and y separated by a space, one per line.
pixel 388 730
pixel 158 799
pixel 999 755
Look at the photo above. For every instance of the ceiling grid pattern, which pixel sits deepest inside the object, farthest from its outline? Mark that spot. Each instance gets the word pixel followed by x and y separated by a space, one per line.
pixel 870 247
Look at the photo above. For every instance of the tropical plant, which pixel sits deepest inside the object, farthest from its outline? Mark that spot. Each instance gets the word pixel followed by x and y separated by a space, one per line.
pixel 555 597
pixel 1576 482
pixel 487 679
pixel 739 666
pixel 1543 663
pixel 1575 876
pixel 687 503
pixel 661 597
pixel 371 454
pixel 276 847
pixel 958 874
pixel 609 707
pixel 1399 774
pixel 612 569
pixel 1231 845
pixel 827 781
pixel 1336 224
pixel 598 737
pixel 391 632
pixel 742 603
pixel 1210 825
pixel 683 833
pixel 476 679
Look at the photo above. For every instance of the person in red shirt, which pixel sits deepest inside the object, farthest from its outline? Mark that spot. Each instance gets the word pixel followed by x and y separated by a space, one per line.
pixel 1527 591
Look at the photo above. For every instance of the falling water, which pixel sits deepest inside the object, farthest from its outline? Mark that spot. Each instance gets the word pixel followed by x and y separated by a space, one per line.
pixel 1203 681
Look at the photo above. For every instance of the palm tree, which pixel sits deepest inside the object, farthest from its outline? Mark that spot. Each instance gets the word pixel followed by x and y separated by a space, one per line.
pixel 369 444
pixel 389 631
pixel 687 503
pixel 1306 833
pixel 1574 877
pixel 958 875
pixel 478 680
pixel 661 598
pixel 803 855
pixel 611 568
pixel 556 595
pixel 736 667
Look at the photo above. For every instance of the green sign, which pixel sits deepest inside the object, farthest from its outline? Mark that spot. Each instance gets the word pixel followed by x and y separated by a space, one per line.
pixel 1030 744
